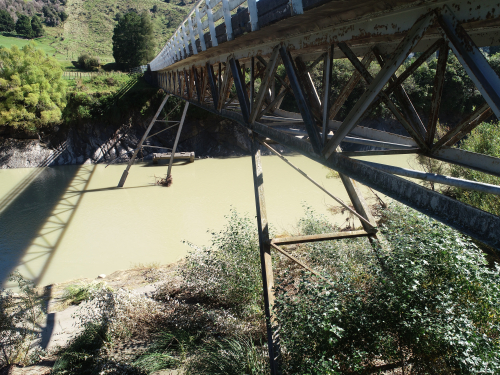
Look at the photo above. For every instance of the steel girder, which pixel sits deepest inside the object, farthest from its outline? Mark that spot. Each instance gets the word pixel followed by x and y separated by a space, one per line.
pixel 228 93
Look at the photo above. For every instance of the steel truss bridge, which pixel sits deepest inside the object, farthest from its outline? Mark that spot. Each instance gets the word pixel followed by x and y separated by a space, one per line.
pixel 224 58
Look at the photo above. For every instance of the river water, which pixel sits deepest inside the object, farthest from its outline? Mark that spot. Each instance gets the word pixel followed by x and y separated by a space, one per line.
pixel 63 223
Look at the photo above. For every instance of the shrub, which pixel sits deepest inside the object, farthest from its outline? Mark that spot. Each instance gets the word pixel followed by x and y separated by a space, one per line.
pixel 77 293
pixel 237 355
pixel 87 62
pixel 484 139
pixel 19 319
pixel 424 302
pixel 229 270
pixel 32 91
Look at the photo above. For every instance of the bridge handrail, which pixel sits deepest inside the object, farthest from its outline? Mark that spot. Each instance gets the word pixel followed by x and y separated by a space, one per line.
pixel 187 34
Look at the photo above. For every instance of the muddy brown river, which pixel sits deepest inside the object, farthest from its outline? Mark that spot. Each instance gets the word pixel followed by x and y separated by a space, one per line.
pixel 63 223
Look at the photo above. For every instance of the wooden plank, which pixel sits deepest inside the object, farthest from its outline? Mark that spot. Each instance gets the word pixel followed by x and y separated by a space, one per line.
pixel 177 156
pixel 318 237
pixel 211 25
pixel 200 30
pixel 227 19
pixel 254 18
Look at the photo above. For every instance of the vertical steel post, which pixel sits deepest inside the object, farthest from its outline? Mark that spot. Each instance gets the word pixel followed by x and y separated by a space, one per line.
pixel 131 161
pixel 265 252
pixel 177 138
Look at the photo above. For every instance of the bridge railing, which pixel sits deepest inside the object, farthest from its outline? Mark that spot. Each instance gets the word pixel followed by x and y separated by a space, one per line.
pixel 190 35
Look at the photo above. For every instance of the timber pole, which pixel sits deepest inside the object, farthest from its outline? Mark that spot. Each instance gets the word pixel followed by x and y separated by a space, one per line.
pixel 177 138
pixel 131 161
pixel 265 253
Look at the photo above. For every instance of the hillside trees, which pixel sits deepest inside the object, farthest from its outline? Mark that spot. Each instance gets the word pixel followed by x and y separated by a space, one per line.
pixel 6 21
pixel 133 43
pixel 32 91
pixel 23 26
pixel 36 26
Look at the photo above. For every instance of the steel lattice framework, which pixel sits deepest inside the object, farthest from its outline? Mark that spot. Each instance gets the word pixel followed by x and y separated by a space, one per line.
pixel 216 66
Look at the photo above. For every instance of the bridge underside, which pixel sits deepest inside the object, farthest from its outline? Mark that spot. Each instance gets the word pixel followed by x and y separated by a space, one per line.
pixel 232 71
pixel 238 80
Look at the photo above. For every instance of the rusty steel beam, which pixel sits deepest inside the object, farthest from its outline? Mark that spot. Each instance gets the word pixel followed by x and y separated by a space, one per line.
pixel 469 220
pixel 327 78
pixel 239 82
pixel 302 103
pixel 383 96
pixel 479 162
pixel 471 58
pixel 399 55
pixel 318 237
pixel 213 85
pixel 465 126
pixel 437 178
pixel 437 93
pixel 269 73
pixel 349 87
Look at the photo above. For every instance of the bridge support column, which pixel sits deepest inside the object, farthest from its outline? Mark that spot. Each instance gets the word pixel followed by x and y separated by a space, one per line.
pixel 131 161
pixel 265 254
pixel 177 138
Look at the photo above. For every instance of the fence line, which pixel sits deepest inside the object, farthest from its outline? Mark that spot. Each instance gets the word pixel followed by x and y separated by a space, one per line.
pixel 76 75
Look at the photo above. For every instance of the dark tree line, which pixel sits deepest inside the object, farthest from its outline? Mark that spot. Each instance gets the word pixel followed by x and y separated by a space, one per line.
pixel 30 27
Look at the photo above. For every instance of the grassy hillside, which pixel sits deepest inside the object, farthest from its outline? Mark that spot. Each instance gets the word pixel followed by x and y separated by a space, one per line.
pixel 90 24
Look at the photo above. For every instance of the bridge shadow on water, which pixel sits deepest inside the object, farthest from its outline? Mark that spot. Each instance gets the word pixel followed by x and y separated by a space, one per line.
pixel 33 221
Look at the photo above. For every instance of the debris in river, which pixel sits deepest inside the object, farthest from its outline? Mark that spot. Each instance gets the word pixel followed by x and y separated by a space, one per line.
pixel 167 181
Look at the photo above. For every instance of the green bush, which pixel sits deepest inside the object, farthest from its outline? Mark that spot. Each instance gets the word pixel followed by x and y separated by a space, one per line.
pixel 425 302
pixel 485 139
pixel 32 91
pixel 229 270
pixel 236 356
pixel 87 62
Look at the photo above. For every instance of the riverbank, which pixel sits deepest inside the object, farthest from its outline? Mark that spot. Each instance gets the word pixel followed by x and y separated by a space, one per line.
pixel 383 308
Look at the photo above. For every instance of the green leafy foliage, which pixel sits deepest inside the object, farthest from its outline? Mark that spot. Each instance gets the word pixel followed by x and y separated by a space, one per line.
pixel 87 62
pixel 229 270
pixel 23 26
pixel 237 355
pixel 133 43
pixel 425 302
pixel 77 293
pixel 484 139
pixel 36 26
pixel 6 21
pixel 32 91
